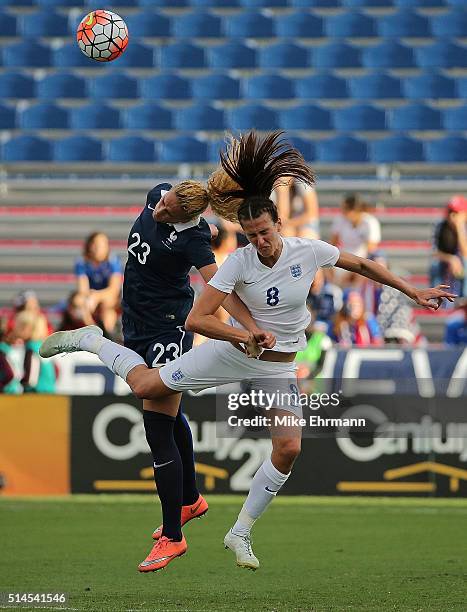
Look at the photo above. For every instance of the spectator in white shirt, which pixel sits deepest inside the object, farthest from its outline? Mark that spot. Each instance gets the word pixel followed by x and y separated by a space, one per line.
pixel 355 230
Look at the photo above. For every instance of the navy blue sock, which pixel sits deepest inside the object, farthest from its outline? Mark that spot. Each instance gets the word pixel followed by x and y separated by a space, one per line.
pixel 168 469
pixel 184 442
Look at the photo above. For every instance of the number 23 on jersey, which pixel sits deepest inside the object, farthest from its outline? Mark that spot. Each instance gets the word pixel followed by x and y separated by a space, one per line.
pixel 139 249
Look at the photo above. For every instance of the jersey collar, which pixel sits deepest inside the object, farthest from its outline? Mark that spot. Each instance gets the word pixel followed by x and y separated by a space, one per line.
pixel 179 227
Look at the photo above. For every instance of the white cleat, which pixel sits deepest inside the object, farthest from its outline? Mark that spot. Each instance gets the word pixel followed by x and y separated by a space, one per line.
pixel 241 546
pixel 66 341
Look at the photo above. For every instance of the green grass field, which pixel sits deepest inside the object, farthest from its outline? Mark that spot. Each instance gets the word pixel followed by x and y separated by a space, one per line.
pixel 316 554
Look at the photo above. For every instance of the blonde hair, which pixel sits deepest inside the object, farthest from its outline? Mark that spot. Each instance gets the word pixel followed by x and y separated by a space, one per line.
pixel 34 324
pixel 192 196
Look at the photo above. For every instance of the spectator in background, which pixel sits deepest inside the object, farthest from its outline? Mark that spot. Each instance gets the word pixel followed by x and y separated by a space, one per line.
pixel 39 374
pixel 224 243
pixel 354 327
pixel 26 301
pixel 8 382
pixel 99 279
pixel 396 319
pixel 455 332
pixel 298 208
pixel 450 248
pixel 76 313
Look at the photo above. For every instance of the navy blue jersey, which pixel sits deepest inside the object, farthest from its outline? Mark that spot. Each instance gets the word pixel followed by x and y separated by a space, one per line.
pixel 156 287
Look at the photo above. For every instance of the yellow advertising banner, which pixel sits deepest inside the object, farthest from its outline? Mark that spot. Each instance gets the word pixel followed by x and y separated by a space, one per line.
pixel 34 445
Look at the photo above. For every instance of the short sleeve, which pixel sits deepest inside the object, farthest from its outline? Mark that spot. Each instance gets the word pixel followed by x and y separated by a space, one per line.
pixel 228 275
pixel 115 265
pixel 199 251
pixel 326 254
pixel 80 269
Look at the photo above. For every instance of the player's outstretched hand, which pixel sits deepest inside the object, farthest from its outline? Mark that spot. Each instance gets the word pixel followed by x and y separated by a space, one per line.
pixel 432 298
pixel 265 339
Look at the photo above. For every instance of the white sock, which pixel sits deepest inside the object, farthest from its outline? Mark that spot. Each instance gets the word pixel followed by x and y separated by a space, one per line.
pixel 120 359
pixel 264 487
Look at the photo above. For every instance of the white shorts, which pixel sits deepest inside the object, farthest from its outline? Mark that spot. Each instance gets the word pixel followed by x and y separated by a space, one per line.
pixel 216 363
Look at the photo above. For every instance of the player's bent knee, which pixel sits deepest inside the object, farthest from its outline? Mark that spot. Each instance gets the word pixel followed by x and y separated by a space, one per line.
pixel 289 450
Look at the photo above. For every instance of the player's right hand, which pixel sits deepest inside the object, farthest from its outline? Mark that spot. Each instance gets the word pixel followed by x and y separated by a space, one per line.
pixel 252 347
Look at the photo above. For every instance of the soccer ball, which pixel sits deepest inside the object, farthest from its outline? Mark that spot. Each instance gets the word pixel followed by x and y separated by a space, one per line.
pixel 102 35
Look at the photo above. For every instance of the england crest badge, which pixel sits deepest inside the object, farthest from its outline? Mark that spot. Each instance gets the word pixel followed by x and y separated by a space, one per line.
pixel 296 270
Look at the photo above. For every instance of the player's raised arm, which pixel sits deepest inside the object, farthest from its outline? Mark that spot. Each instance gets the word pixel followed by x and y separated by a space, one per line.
pixel 430 298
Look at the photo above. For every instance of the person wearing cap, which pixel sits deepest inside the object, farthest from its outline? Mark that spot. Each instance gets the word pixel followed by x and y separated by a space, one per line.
pixel 450 247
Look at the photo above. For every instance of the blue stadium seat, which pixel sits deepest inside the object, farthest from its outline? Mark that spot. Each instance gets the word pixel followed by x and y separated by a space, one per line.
pixel 429 86
pixel 61 85
pixel 148 24
pixel 96 116
pixel 200 117
pixel 388 54
pixel 415 117
pixel 305 117
pixel 442 54
pixel 45 116
pixel 7 117
pixel 27 148
pixel 321 86
pixel 27 53
pixel 8 25
pixel 114 4
pixel 131 149
pixel 336 55
pixel 148 116
pixel 299 25
pixel 284 55
pixel 404 23
pixel 315 3
pixel 215 3
pixel 111 86
pixel 341 149
pixel 264 3
pixel 450 25
pixel 183 149
pixel 420 3
pixel 272 86
pixel 70 56
pixel 78 148
pixel 253 116
pixel 305 147
pixel 359 117
pixel 182 55
pixel 166 86
pixel 137 55
pixel 61 3
pixel 460 3
pixel 461 88
pixel 216 87
pixel 396 149
pixel 375 86
pixel 214 147
pixel 198 25
pixel 44 23
pixel 165 3
pixel 17 85
pixel 455 118
pixel 232 55
pixel 8 3
pixel 451 150
pixel 351 24
pixel 249 25
pixel 368 3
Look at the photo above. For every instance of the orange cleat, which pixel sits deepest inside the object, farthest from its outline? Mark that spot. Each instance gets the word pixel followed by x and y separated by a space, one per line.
pixel 163 552
pixel 196 510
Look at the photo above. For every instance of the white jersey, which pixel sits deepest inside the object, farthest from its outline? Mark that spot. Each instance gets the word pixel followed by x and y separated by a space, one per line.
pixel 276 297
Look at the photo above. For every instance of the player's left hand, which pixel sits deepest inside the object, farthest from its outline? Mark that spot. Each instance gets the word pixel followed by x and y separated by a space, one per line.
pixel 432 298
pixel 265 339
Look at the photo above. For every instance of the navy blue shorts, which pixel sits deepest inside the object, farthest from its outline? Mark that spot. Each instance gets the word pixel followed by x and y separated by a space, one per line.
pixel 155 348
